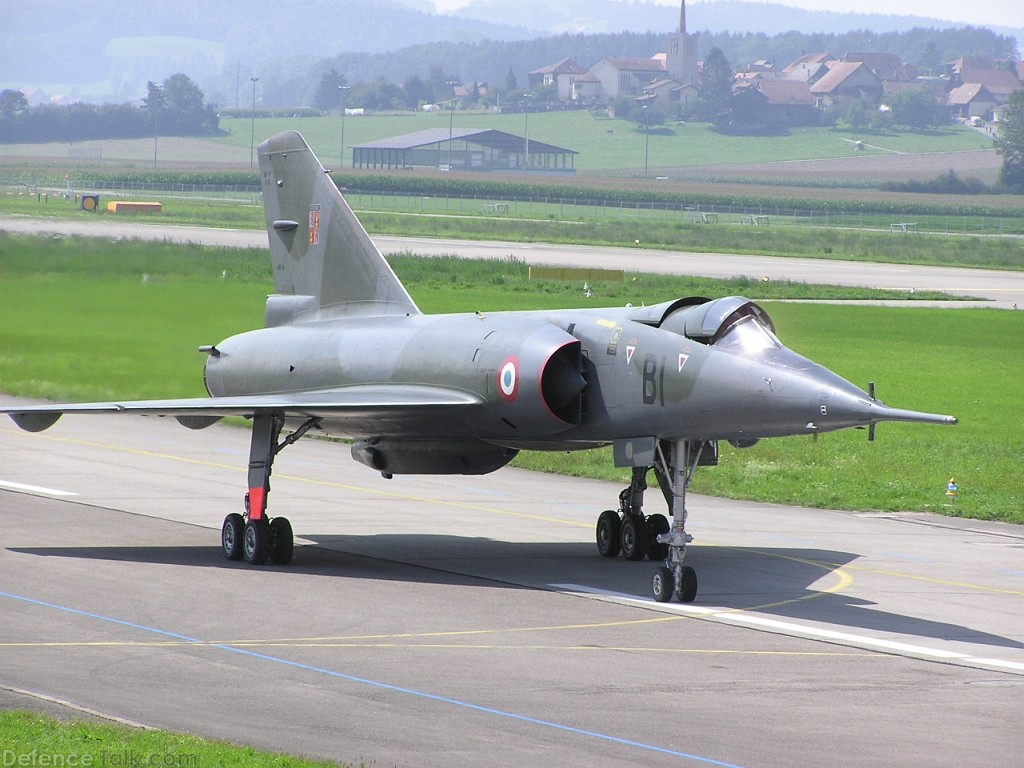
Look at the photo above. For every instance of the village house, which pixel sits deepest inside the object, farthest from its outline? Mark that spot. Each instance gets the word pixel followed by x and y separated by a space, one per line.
pixel 971 100
pixel 808 68
pixel 563 75
pixel 886 66
pixel 621 76
pixel 770 105
pixel 1000 77
pixel 845 81
pixel 770 99
pixel 670 91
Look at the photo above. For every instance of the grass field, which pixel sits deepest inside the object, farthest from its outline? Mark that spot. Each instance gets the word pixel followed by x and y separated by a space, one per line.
pixel 117 335
pixel 605 145
pixel 37 740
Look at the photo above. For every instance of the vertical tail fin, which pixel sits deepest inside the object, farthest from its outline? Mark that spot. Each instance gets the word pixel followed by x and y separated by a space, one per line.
pixel 325 265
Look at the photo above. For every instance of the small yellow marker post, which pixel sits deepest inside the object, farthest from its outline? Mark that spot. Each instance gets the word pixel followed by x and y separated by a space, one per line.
pixel 952 491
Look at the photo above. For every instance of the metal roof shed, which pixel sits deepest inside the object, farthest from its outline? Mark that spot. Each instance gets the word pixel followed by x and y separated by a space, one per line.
pixel 464 149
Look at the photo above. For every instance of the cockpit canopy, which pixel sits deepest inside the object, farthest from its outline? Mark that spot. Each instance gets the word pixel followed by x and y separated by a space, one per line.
pixel 729 321
pixel 733 324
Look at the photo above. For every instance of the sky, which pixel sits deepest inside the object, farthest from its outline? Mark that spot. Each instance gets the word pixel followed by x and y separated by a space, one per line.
pixel 1000 13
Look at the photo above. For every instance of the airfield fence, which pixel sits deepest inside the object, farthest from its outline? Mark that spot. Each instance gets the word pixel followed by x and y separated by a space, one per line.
pixel 754 216
pixel 555 208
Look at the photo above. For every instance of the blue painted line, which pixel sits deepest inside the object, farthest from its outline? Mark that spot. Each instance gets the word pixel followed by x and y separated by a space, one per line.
pixel 380 685
pixel 98 617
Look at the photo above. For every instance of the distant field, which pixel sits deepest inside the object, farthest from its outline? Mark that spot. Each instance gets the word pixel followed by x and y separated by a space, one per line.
pixel 605 145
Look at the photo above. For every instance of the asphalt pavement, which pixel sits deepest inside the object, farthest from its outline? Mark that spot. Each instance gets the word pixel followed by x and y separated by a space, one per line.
pixel 467 621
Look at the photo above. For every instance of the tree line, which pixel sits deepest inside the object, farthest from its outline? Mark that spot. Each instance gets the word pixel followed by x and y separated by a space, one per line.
pixel 175 107
pixel 293 81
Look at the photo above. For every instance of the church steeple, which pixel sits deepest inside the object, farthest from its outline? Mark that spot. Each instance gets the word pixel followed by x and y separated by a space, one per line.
pixel 682 51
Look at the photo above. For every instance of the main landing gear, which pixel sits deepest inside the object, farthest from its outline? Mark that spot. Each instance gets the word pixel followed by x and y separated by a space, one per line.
pixel 253 536
pixel 637 535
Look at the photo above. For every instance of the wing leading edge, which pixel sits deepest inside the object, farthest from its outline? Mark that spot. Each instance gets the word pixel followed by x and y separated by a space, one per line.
pixel 355 402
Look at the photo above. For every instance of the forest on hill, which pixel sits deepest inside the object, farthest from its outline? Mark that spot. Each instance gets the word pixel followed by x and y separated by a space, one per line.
pixel 111 50
pixel 490 61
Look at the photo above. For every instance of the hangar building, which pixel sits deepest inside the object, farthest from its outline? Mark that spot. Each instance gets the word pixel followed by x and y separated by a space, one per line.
pixel 464 149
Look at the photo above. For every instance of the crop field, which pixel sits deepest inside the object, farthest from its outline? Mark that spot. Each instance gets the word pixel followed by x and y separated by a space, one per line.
pixel 86 319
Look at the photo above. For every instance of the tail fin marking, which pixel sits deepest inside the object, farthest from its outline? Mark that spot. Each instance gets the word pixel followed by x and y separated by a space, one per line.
pixel 320 252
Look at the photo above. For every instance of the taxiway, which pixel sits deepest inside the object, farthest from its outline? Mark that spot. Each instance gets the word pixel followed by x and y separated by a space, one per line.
pixel 467 621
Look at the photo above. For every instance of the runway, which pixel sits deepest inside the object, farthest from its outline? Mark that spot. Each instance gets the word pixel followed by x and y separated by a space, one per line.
pixel 1000 289
pixel 467 621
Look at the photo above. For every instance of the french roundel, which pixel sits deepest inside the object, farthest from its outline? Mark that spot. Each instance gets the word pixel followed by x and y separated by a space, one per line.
pixel 508 379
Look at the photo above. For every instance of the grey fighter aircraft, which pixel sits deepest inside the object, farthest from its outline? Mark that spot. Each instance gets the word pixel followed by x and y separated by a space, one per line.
pixel 346 351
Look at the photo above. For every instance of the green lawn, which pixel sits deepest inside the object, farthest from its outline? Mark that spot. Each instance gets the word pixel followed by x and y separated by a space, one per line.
pixel 78 321
pixel 37 740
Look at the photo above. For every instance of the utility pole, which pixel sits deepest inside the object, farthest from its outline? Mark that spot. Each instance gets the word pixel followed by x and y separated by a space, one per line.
pixel 647 140
pixel 252 132
pixel 344 90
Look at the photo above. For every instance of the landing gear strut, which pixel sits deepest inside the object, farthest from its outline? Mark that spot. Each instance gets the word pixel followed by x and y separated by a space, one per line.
pixel 637 535
pixel 253 536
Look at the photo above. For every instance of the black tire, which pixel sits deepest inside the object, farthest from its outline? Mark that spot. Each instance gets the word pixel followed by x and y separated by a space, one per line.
pixel 256 542
pixel 609 534
pixel 634 538
pixel 688 589
pixel 231 534
pixel 663 584
pixel 657 525
pixel 282 542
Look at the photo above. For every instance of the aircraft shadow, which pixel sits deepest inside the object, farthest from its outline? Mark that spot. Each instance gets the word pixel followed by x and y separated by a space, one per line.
pixel 778 581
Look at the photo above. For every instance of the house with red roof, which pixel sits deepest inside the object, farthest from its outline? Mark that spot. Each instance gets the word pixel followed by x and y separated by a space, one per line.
pixel 846 80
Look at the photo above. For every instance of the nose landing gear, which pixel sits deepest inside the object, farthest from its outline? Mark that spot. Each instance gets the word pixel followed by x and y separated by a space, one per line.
pixel 637 535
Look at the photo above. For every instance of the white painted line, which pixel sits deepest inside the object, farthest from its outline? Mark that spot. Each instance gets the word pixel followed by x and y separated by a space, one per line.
pixel 1013 666
pixel 740 618
pixel 35 489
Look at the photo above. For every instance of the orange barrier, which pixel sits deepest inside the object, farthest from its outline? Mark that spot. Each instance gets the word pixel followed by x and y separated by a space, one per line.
pixel 121 206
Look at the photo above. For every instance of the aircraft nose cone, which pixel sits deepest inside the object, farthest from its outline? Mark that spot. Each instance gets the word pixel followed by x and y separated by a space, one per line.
pixel 840 404
pixel 809 398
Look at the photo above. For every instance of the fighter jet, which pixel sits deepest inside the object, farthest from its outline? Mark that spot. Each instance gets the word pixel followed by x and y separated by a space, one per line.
pixel 345 351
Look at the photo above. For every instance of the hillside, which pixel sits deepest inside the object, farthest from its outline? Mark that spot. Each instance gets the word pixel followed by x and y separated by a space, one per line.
pixel 605 16
pixel 114 47
pixel 109 51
